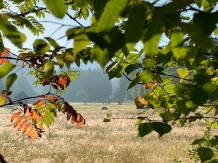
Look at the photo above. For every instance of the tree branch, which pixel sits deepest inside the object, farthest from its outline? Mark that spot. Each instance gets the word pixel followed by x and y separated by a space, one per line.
pixel 74 19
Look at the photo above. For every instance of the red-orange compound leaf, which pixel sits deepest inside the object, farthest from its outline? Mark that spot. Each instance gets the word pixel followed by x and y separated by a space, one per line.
pixel 18 121
pixel 15 115
pixel 63 82
pixel 26 128
pixel 22 124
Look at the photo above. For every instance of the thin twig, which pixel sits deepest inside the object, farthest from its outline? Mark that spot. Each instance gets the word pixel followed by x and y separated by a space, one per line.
pixel 74 19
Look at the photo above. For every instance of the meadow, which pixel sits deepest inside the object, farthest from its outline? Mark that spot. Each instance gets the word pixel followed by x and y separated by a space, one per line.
pixel 97 141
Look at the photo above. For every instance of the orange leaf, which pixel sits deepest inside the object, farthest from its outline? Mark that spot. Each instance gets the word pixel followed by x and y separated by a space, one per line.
pixel 4 91
pixel 28 112
pixel 22 62
pixel 148 85
pixel 41 101
pixel 73 120
pixel 4 54
pixel 33 135
pixel 30 131
pixel 80 120
pixel 26 128
pixel 52 98
pixel 18 121
pixel 63 82
pixel 22 125
pixel 15 115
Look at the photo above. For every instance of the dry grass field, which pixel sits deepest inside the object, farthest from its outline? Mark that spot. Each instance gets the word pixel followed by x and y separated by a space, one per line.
pixel 113 142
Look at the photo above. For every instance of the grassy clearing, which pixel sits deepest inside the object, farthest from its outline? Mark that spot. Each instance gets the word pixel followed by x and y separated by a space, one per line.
pixel 96 142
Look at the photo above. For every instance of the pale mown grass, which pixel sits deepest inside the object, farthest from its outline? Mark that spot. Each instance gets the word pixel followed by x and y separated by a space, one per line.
pixel 96 142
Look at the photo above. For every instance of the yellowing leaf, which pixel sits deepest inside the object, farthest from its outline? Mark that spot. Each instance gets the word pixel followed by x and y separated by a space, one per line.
pixel 2 100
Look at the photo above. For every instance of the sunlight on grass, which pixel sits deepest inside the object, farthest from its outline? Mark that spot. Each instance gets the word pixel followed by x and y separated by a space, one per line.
pixel 115 142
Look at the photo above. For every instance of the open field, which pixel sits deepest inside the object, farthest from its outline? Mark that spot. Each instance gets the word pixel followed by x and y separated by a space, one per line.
pixel 96 142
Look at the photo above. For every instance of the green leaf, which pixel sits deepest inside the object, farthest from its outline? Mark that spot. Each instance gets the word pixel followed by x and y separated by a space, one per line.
pixel 176 41
pixel 135 23
pixel 144 129
pixel 106 120
pixel 1 4
pixel 131 68
pixel 175 5
pixel 135 80
pixel 146 76
pixel 110 15
pixel 11 32
pixel 206 21
pixel 153 36
pixel 80 42
pixel 52 42
pixel 109 115
pixel 182 72
pixel 198 141
pixel 69 56
pixel 169 116
pixel 199 96
pixel 114 70
pixel 57 7
pixel 81 3
pixel 149 62
pixel 48 68
pixel 197 36
pixel 101 56
pixel 41 46
pixel 209 87
pixel 1 44
pixel 161 128
pixel 10 80
pixel 5 69
pixel 153 103
pixel 60 60
pixel 205 154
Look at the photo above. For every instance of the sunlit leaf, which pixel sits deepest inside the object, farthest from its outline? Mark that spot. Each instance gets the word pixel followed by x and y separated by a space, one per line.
pixel 153 36
pixel 5 69
pixel 57 7
pixel 80 42
pixel 111 13
pixel 41 46
pixel 11 32
pixel 48 68
pixel 2 100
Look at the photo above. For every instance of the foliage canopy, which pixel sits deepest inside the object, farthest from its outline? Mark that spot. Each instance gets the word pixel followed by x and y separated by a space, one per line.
pixel 125 37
